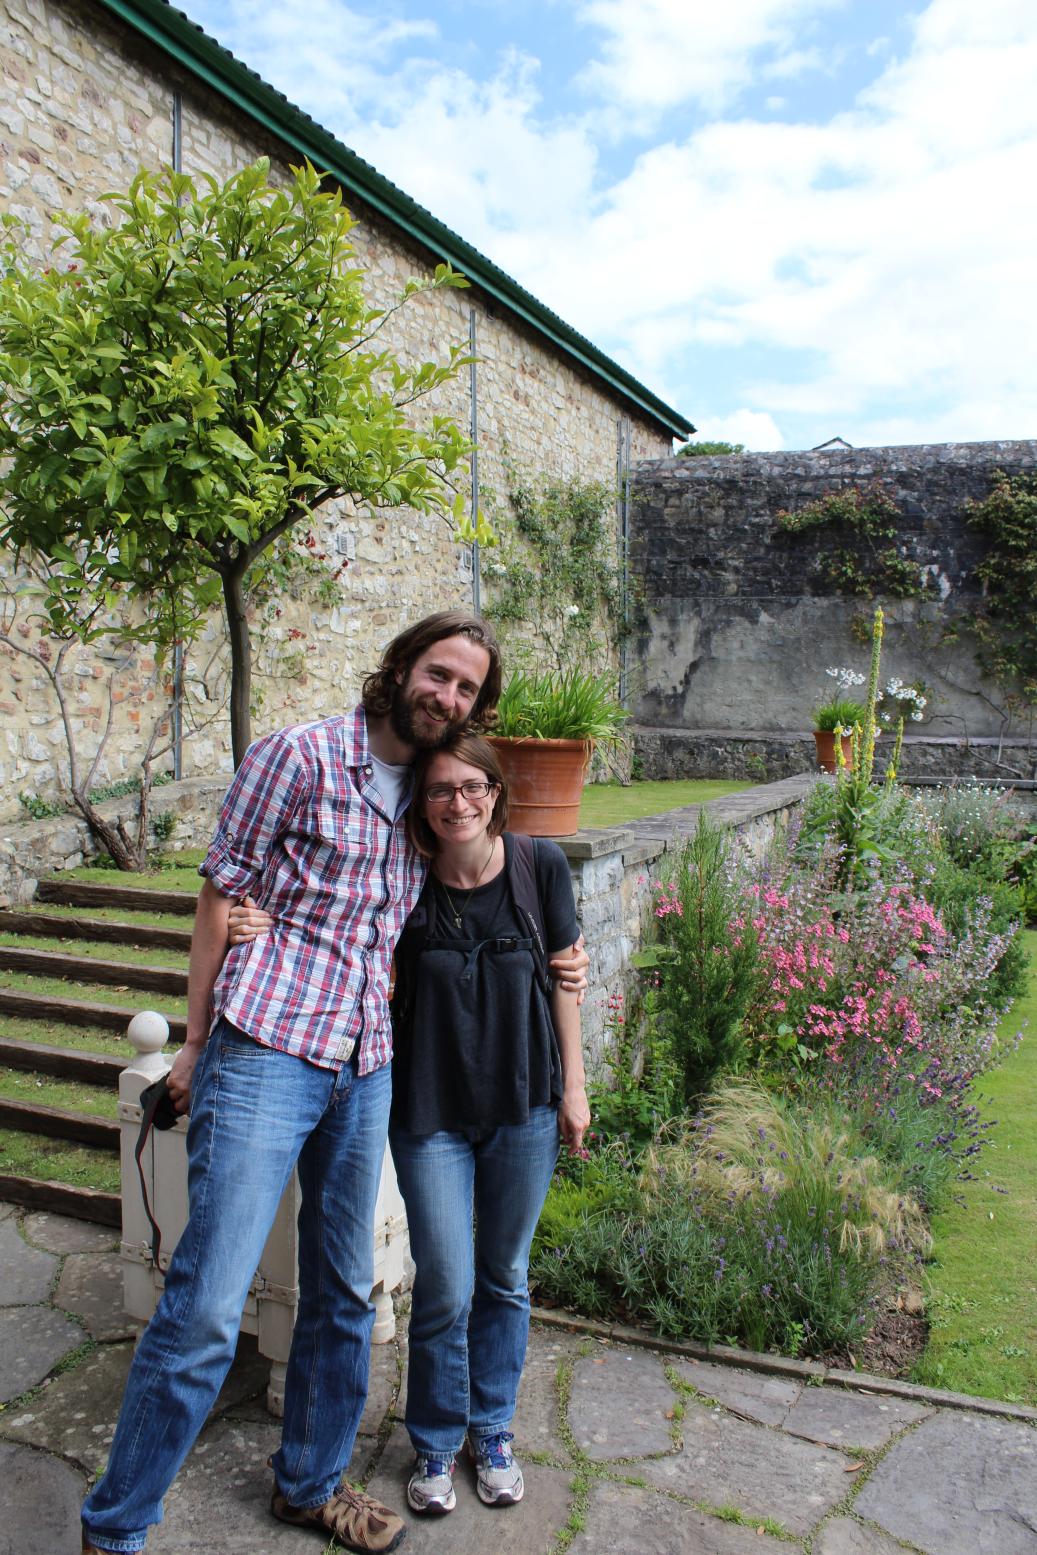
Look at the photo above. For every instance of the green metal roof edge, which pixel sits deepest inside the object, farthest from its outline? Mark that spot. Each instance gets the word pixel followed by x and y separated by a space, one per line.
pixel 182 39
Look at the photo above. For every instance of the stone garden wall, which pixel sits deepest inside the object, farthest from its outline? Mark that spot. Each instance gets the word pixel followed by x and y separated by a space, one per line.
pixel 84 101
pixel 738 626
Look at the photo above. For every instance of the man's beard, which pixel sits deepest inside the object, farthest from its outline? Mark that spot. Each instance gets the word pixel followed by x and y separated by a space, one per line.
pixel 426 737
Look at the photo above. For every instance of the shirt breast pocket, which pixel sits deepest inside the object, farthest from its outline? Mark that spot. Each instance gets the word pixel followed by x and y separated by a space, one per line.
pixel 337 825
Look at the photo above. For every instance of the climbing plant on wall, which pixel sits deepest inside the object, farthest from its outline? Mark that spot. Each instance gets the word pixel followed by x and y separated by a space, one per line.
pixel 869 518
pixel 555 582
pixel 1005 624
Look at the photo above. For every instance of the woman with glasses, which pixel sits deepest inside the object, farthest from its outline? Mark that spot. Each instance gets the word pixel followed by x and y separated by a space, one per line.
pixel 488 1078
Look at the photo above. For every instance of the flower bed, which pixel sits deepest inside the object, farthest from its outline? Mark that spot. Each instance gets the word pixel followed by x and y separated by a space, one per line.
pixel 794 1081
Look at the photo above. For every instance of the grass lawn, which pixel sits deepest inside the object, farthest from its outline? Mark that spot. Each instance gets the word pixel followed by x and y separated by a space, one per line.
pixel 983 1279
pixel 45 1090
pixel 100 950
pixel 158 920
pixel 53 1160
pixel 95 993
pixel 610 804
pixel 85 1039
pixel 183 876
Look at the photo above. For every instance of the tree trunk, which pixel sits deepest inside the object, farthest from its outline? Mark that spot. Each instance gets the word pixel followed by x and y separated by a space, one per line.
pixel 115 839
pixel 240 663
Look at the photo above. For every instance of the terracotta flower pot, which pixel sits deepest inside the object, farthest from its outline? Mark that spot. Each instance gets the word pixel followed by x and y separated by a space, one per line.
pixel 545 784
pixel 824 739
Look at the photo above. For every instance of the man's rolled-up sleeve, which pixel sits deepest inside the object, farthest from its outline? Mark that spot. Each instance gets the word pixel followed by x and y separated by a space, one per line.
pixel 259 804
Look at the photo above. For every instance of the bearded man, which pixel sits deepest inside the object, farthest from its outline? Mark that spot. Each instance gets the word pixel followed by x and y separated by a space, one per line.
pixel 286 1064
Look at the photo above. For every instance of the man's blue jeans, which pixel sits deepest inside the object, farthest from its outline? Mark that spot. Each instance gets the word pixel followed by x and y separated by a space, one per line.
pixel 255 1113
pixel 470 1308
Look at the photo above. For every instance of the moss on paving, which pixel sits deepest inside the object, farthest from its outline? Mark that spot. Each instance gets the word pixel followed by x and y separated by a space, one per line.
pixel 983 1277
pixel 53 1160
pixel 101 950
pixel 611 804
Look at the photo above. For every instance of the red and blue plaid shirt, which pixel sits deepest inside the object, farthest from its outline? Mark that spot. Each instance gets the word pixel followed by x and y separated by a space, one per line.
pixel 303 831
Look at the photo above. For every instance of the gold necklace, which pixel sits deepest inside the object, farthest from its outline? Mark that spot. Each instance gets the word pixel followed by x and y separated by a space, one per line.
pixel 457 913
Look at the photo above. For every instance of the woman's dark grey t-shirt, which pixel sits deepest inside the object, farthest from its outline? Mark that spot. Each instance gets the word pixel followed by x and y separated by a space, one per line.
pixel 473 1041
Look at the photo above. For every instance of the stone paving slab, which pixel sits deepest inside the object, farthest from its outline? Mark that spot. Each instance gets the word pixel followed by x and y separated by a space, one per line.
pixel 761 1472
pixel 622 1520
pixel 61 1234
pixel 220 1500
pixel 41 1503
pixel 90 1286
pixel 32 1341
pixel 843 1536
pixel 536 1418
pixel 76 1414
pixel 850 1420
pixel 26 1273
pixel 960 1485
pixel 645 1422
pixel 529 1528
pixel 749 1393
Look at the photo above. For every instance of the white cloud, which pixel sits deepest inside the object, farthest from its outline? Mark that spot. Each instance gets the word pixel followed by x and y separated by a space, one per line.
pixel 658 53
pixel 755 429
pixel 875 268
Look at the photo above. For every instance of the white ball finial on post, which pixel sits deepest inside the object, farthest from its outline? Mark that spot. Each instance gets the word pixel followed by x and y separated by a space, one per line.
pixel 148 1031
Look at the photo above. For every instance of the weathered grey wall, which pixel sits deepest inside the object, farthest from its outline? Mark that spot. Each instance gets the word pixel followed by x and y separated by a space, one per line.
pixel 739 627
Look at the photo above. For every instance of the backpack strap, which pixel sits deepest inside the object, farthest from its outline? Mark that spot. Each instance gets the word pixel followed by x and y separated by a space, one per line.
pixel 520 863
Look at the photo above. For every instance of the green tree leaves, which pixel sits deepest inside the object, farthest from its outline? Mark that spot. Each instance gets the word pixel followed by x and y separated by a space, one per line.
pixel 190 384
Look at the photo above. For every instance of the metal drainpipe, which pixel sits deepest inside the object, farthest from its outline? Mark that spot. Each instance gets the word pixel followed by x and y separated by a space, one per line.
pixel 178 652
pixel 473 384
pixel 623 494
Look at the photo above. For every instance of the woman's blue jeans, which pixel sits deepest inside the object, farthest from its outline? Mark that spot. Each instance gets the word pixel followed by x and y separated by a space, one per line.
pixel 255 1114
pixel 470 1308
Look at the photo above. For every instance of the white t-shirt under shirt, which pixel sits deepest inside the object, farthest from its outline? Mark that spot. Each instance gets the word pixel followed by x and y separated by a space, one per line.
pixel 392 783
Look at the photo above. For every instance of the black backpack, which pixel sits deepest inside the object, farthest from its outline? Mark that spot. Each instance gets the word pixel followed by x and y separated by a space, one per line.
pixel 520 867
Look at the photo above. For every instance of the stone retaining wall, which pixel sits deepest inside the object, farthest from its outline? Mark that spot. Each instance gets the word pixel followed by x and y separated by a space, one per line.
pixel 740 626
pixel 763 756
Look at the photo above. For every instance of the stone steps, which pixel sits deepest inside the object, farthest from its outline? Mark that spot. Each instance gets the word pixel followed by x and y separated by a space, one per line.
pixel 35 958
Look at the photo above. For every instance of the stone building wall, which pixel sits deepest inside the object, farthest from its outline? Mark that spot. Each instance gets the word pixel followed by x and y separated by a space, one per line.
pixel 739 626
pixel 84 101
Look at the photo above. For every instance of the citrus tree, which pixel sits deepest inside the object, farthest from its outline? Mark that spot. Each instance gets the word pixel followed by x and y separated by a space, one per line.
pixel 184 388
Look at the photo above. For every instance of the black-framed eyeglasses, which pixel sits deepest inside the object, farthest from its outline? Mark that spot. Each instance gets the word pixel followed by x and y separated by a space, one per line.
pixel 443 793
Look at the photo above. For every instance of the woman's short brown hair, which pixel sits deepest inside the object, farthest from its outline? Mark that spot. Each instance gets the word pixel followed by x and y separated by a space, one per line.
pixel 477 753
pixel 380 686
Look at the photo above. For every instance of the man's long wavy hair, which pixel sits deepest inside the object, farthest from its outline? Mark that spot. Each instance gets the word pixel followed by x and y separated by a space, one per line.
pixel 380 686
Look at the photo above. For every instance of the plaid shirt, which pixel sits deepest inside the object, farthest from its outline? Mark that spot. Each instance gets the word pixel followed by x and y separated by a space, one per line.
pixel 303 831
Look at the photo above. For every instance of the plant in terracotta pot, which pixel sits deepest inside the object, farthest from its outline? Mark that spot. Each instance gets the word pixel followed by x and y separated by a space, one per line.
pixel 548 723
pixel 836 718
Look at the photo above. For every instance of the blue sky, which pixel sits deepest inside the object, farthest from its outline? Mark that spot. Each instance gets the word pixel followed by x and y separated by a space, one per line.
pixel 793 219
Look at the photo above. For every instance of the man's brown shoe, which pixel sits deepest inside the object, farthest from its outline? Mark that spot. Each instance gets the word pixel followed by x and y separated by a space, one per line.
pixel 357 1521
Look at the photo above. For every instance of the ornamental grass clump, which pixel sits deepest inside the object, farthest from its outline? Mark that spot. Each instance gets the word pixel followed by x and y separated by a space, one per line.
pixel 751 1145
pixel 769 1260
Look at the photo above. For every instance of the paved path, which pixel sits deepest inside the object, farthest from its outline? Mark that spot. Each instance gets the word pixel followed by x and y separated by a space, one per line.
pixel 626 1451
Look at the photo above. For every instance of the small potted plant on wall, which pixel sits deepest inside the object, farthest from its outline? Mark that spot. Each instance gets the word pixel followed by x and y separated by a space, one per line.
pixel 548 723
pixel 836 718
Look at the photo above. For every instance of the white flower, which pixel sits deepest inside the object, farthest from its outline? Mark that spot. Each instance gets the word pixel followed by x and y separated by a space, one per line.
pixel 572 610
